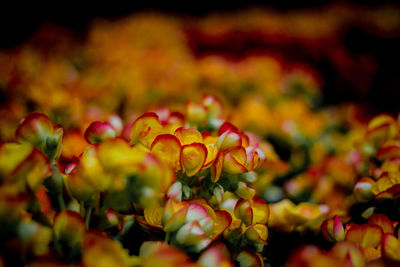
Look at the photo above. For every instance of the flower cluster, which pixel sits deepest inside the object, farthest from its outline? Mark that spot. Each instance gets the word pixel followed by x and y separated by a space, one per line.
pixel 123 161
pixel 182 177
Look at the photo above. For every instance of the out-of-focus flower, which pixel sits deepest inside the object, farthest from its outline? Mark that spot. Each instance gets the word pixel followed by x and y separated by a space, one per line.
pixel 215 256
pixel 38 130
pixel 391 249
pixel 289 217
pixel 345 253
pixel 363 189
pixel 100 250
pixel 23 165
pixel 154 253
pixel 332 229
pixel 194 224
pixel 247 258
pixel 369 237
pixel 97 132
pixel 69 228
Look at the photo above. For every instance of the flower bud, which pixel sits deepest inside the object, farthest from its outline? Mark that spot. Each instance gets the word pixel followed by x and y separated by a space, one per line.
pixel 332 229
pixel 196 113
pixel 97 132
pixel 363 190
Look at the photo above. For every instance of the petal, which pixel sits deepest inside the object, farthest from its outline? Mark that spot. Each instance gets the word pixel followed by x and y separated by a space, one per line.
pixel 175 191
pixel 167 147
pixel 153 215
pixel 235 160
pixel 228 139
pixel 188 135
pixel 216 256
pixel 145 129
pixel 176 220
pixel 365 235
pixel 222 222
pixel 389 151
pixel 383 221
pixel 212 153
pixel 190 234
pixel 216 168
pixel 73 144
pixel 260 210
pixel 117 155
pixel 391 247
pixel 193 157
pixel 243 211
pixel 33 170
pixel 225 127
pixel 257 233
pixel 349 251
pixel 196 212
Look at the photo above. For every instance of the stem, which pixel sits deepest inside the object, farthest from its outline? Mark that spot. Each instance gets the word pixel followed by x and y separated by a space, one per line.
pixel 240 226
pixel 88 215
pixel 82 209
pixel 167 237
pixel 241 234
pixel 61 201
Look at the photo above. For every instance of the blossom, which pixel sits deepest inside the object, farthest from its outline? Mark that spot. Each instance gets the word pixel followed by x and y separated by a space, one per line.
pixel 38 130
pixel 194 224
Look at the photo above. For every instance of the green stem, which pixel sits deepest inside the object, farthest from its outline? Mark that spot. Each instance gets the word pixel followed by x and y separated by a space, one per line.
pixel 167 237
pixel 240 226
pixel 88 215
pixel 241 234
pixel 61 201
pixel 82 209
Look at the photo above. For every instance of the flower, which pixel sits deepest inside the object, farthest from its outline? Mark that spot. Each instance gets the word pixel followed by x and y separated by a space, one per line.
pixel 194 224
pixel 38 130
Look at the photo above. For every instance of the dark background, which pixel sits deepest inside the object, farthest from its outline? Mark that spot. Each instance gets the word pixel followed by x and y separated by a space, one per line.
pixel 378 92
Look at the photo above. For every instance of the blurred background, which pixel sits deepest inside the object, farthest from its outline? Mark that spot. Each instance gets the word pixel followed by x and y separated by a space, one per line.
pixel 353 47
pixel 349 49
